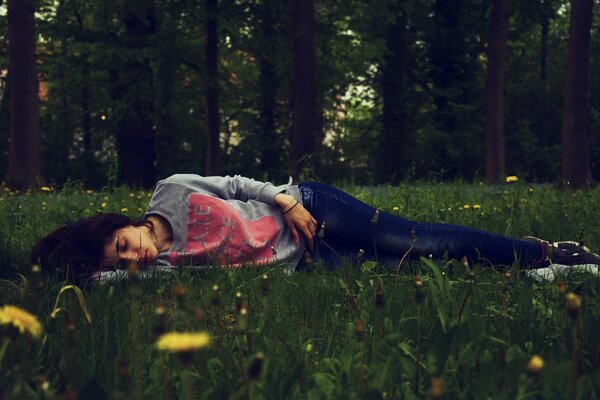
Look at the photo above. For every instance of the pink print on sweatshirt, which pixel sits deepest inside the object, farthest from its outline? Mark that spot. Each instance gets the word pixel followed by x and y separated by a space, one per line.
pixel 218 234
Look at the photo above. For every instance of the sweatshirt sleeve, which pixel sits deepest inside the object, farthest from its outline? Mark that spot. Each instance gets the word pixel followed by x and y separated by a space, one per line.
pixel 228 187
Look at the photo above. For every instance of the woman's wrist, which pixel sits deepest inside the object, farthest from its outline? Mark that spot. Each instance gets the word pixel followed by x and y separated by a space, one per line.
pixel 284 200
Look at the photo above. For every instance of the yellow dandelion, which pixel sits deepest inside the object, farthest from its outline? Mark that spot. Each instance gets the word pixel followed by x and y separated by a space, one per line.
pixel 45 189
pixel 476 206
pixel 535 365
pixel 183 342
pixel 466 207
pixel 573 304
pixel 396 209
pixel 511 178
pixel 124 209
pixel 89 191
pixel 103 205
pixel 22 320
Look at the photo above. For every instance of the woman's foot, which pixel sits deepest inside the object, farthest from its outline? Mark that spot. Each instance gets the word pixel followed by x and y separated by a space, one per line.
pixel 564 258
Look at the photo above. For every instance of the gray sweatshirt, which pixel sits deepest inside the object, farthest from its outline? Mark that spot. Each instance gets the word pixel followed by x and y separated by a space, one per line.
pixel 225 221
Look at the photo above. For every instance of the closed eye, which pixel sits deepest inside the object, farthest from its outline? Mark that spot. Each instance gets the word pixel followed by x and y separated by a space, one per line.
pixel 120 245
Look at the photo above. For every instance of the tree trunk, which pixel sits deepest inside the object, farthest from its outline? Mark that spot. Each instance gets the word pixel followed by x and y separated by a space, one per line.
pixel 270 142
pixel 494 92
pixel 213 148
pixel 133 125
pixel 576 169
pixel 25 161
pixel 303 137
pixel 394 141
pixel 164 85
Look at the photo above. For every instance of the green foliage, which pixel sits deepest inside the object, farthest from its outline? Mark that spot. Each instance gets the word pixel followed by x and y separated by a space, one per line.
pixel 137 66
pixel 321 334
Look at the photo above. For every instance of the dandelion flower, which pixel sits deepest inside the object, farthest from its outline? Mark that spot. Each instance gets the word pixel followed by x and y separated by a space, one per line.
pixel 466 207
pixel 573 305
pixel 535 365
pixel 45 189
pixel 183 342
pixel 512 178
pixel 476 206
pixel 22 320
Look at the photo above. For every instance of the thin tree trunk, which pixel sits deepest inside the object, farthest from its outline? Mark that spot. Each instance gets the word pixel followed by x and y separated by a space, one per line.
pixel 213 148
pixel 494 92
pixel 134 130
pixel 25 161
pixel 270 142
pixel 394 140
pixel 164 83
pixel 576 169
pixel 303 137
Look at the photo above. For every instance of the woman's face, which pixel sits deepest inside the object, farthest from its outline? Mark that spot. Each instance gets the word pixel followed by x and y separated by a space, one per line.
pixel 131 243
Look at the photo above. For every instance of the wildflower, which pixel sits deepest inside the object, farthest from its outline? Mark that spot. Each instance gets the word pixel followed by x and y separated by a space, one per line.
pixel 419 295
pixel 535 365
pixel 183 342
pixel 239 301
pixel 242 325
pixel 124 210
pixel 216 296
pixel 476 207
pixel 466 207
pixel 198 313
pixel 437 387
pixel 45 189
pixel 179 290
pixel 573 304
pixel 511 178
pixel 22 320
pixel 89 191
pixel 396 209
pixel 264 285
pixel 103 205
pixel 43 382
pixel 359 329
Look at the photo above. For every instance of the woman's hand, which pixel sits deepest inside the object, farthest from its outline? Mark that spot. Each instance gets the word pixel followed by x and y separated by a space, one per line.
pixel 297 218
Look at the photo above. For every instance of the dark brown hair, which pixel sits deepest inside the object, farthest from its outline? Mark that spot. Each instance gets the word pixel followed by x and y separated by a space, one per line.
pixel 77 249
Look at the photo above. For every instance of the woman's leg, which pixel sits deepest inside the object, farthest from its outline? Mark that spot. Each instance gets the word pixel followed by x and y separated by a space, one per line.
pixel 349 226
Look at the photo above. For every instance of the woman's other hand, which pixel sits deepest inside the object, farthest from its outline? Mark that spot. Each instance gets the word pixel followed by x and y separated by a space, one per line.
pixel 297 218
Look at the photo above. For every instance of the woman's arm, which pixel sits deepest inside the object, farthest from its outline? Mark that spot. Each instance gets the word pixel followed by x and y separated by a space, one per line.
pixel 225 187
pixel 297 217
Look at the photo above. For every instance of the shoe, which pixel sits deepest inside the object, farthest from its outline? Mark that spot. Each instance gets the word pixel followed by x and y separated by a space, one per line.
pixel 564 258
pixel 567 245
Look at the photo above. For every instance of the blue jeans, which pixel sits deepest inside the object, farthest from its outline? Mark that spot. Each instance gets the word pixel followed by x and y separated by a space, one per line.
pixel 349 227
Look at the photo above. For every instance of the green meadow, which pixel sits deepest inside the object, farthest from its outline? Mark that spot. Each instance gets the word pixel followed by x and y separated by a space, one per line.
pixel 438 329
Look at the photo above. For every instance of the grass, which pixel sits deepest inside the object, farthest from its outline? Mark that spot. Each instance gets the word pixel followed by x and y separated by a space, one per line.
pixel 436 330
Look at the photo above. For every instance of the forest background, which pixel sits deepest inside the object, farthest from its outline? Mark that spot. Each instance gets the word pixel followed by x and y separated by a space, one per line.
pixel 361 91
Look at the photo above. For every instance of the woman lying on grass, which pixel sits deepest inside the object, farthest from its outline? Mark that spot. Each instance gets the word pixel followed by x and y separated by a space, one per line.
pixel 236 221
